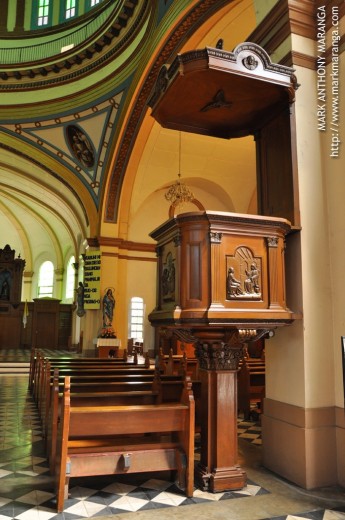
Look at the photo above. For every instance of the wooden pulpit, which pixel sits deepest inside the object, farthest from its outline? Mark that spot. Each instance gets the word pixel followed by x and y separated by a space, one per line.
pixel 220 283
pixel 220 277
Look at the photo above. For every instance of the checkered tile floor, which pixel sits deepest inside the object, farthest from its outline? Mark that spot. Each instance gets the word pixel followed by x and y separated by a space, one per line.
pixel 23 463
pixel 250 431
pixel 26 487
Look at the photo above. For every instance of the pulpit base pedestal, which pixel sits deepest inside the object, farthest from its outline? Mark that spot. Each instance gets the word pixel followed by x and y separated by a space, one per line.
pixel 220 480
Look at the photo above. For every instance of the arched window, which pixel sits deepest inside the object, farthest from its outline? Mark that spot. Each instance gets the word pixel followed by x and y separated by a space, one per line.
pixel 46 280
pixel 94 2
pixel 70 278
pixel 136 326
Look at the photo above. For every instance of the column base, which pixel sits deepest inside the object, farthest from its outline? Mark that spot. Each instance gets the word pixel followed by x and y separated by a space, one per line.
pixel 220 480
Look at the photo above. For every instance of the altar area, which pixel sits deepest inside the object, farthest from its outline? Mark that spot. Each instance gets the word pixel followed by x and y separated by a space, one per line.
pixel 108 347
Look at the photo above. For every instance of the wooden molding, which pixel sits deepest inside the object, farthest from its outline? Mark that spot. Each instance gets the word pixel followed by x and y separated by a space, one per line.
pixel 294 17
pixel 286 17
pixel 293 58
pixel 120 243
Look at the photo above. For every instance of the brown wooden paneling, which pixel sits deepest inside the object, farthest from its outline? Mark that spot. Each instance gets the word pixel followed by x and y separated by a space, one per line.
pixel 13 334
pixel 212 244
pixel 65 325
pixel 275 169
pixel 9 326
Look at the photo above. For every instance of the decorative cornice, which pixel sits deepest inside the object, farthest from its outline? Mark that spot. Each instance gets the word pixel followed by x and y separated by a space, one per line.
pixel 294 17
pixel 41 74
pixel 214 219
pixel 233 323
pixel 202 58
pixel 286 17
pixel 293 58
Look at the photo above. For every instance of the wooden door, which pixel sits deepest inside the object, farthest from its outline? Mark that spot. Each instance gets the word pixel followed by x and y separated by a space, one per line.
pixel 45 329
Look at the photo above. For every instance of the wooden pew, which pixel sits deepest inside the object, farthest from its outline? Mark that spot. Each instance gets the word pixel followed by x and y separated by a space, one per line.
pixel 38 360
pixel 46 372
pixel 251 385
pixel 80 376
pixel 103 440
pixel 161 388
pixel 93 395
pixel 178 364
pixel 165 389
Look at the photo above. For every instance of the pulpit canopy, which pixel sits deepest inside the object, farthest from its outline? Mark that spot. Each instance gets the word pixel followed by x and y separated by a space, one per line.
pixel 222 94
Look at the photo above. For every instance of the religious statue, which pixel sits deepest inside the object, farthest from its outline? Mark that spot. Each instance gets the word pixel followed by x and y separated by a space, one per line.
pixel 81 146
pixel 168 279
pixel 108 305
pixel 80 300
pixel 5 285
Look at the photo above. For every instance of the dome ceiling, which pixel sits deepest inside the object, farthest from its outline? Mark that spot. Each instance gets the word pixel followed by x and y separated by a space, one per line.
pixel 98 92
pixel 87 43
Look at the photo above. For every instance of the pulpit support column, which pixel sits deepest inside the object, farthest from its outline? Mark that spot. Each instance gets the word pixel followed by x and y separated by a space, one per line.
pixel 219 353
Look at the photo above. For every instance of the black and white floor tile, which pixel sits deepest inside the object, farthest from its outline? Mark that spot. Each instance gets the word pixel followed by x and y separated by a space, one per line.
pixel 26 487
pixel 23 462
pixel 250 431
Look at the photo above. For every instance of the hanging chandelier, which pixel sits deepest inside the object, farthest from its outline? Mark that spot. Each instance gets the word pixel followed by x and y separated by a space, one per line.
pixel 179 193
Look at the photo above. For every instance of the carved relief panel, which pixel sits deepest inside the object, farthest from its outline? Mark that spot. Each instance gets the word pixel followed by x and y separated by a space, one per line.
pixel 168 277
pixel 244 275
pixel 226 268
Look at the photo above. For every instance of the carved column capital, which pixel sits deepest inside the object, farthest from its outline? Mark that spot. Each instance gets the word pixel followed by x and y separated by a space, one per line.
pixel 216 237
pixel 177 239
pixel 272 241
pixel 159 251
pixel 218 356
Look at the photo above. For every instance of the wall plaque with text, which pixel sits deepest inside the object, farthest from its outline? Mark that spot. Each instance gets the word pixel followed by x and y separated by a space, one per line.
pixel 92 280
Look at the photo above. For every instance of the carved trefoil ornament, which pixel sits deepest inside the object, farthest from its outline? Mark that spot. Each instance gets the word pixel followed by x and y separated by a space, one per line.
pixel 218 101
pixel 243 275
